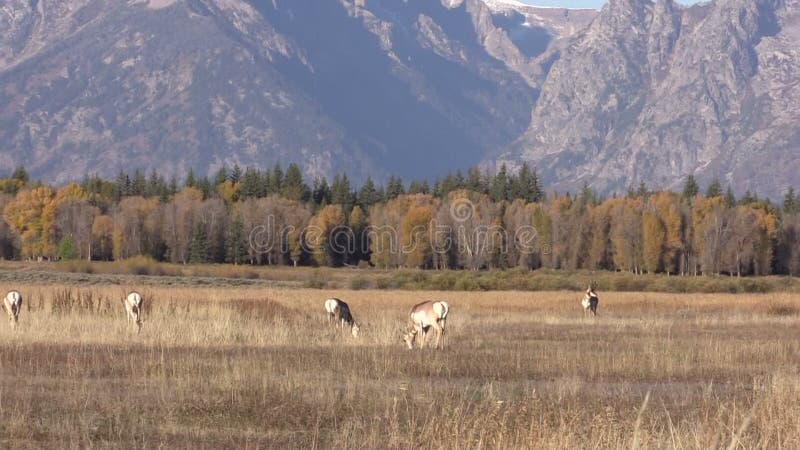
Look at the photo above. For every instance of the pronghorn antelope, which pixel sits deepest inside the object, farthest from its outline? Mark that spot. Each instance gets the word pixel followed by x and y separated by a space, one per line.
pixel 339 312
pixel 133 307
pixel 12 304
pixel 590 301
pixel 424 316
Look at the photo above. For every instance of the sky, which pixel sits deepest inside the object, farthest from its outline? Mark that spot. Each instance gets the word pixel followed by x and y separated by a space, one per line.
pixel 579 3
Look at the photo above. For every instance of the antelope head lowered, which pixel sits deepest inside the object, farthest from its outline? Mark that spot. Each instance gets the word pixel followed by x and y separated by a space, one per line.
pixel 422 318
pixel 133 307
pixel 12 303
pixel 339 314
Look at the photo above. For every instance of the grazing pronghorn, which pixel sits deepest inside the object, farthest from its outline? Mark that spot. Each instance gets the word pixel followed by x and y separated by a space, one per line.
pixel 590 301
pixel 340 312
pixel 424 316
pixel 133 307
pixel 12 304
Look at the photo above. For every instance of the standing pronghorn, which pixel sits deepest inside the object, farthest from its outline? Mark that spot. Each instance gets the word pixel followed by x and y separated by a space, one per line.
pixel 12 304
pixel 590 301
pixel 133 307
pixel 340 312
pixel 424 316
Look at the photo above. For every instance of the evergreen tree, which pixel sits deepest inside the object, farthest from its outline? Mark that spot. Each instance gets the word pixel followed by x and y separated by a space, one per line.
pixel 475 181
pixel 190 180
pixel 714 189
pixel 642 191
pixel 395 188
pixel 789 201
pixel 20 174
pixel 199 249
pixel 449 184
pixel 417 187
pixel 321 195
pixel 437 188
pixel 204 184
pixel 368 195
pixel 381 194
pixel 157 187
pixel 235 249
pixel 293 186
pixel 340 191
pixel 460 182
pixel 251 183
pixel 690 188
pixel 537 192
pixel 522 185
pixel 275 180
pixel 587 196
pixel 500 185
pixel 748 198
pixel 221 176
pixel 173 186
pixel 139 183
pixel 122 186
pixel 236 174
pixel 66 249
pixel 730 199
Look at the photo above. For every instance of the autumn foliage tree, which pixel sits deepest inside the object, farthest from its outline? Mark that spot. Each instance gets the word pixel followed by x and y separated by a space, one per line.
pixel 32 217
pixel 478 221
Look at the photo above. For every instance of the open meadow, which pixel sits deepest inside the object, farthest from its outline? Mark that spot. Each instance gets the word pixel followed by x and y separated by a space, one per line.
pixel 249 367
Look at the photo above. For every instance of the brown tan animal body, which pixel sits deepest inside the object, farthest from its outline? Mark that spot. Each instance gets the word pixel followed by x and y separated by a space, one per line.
pixel 133 308
pixel 422 318
pixel 12 303
pixel 590 302
pixel 339 314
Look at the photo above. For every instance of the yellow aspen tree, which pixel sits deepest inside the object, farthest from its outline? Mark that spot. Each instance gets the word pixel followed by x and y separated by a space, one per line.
pixel 711 231
pixel 32 217
pixel 229 191
pixel 543 226
pixel 626 234
pixel 357 222
pixel 767 221
pixel 667 206
pixel 319 235
pixel 103 234
pixel 416 240
pixel 600 247
pixel 653 236
pixel 558 213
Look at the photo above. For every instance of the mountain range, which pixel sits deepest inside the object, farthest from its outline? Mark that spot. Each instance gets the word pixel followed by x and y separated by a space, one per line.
pixel 639 91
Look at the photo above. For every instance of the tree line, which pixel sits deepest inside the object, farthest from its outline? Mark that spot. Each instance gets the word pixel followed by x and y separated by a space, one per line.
pixel 473 221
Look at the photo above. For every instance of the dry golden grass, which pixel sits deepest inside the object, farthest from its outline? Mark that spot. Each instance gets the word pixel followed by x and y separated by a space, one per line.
pixel 255 368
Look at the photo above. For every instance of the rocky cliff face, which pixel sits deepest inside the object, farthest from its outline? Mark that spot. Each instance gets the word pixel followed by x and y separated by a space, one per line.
pixel 656 91
pixel 415 88
pixel 643 91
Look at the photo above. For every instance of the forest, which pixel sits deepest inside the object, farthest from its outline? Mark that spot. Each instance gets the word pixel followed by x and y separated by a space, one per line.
pixel 474 221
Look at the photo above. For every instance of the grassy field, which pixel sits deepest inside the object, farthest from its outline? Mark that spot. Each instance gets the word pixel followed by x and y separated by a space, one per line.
pixel 252 367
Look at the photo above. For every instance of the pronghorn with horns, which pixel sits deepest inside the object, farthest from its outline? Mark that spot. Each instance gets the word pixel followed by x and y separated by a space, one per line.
pixel 133 307
pixel 424 316
pixel 590 301
pixel 340 312
pixel 12 303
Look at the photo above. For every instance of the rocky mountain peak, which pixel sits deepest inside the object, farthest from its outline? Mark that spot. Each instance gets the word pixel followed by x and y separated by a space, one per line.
pixel 664 32
pixel 619 16
pixel 672 91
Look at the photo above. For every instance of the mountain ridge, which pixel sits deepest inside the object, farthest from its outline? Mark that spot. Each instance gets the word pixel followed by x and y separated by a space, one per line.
pixel 641 90
pixel 672 91
pixel 370 88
